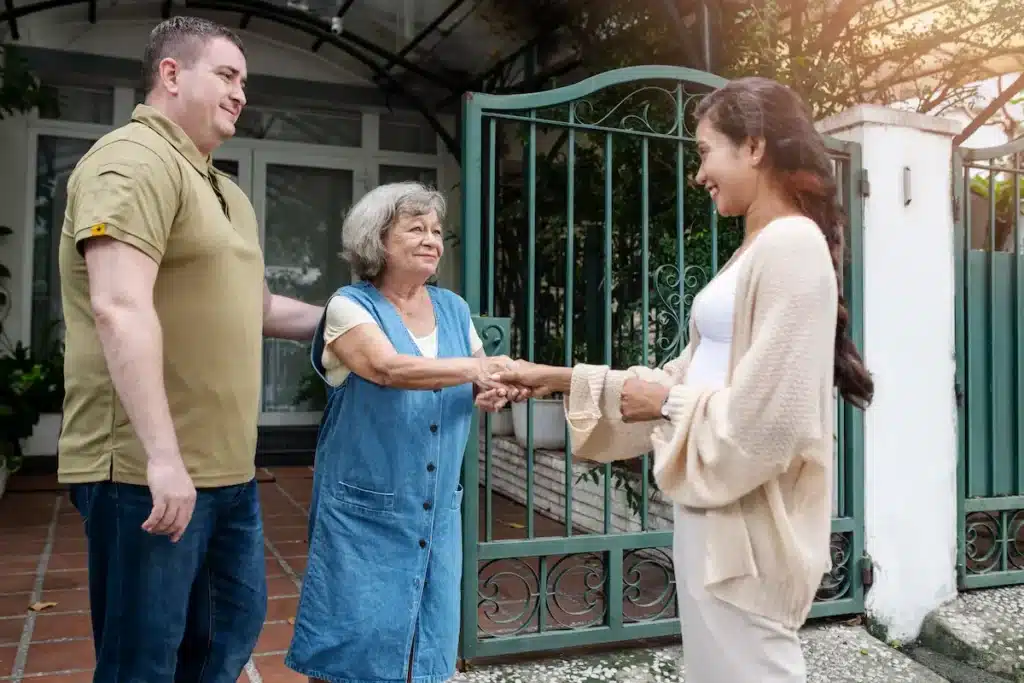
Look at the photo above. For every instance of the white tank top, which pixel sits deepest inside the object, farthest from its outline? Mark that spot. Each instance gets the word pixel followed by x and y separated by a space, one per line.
pixel 712 313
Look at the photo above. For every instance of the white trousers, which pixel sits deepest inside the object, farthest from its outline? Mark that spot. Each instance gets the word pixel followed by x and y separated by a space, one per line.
pixel 722 643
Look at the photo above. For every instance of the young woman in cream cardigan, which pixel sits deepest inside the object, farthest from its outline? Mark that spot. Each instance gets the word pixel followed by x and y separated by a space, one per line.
pixel 741 422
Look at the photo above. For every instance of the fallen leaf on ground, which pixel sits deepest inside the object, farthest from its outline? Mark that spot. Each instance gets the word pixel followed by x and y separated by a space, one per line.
pixel 40 606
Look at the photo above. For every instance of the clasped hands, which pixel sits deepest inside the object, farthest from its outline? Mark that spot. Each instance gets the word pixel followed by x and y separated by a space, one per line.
pixel 495 390
pixel 502 379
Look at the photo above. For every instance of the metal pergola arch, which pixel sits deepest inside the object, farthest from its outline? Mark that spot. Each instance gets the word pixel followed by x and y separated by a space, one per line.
pixel 380 61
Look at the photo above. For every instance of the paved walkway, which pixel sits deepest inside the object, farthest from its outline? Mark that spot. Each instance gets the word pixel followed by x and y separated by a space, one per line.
pixel 982 629
pixel 835 653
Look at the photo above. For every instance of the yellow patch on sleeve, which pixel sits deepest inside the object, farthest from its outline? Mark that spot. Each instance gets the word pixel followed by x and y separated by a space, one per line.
pixel 98 230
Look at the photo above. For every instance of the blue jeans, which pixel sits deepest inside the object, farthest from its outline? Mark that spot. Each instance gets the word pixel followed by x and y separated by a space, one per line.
pixel 167 612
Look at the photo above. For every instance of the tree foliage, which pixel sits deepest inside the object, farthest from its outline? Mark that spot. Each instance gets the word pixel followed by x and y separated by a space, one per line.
pixel 20 90
pixel 835 53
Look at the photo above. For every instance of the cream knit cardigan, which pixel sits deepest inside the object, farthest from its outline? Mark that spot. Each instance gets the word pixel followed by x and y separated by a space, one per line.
pixel 756 455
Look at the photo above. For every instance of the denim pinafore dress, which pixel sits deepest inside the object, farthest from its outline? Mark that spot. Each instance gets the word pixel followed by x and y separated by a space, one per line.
pixel 385 525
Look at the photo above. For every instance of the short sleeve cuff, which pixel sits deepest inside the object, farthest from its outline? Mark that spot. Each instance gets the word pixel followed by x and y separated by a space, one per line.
pixel 114 232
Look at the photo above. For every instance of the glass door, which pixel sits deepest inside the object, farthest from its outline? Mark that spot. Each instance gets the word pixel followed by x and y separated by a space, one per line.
pixel 301 202
pixel 56 157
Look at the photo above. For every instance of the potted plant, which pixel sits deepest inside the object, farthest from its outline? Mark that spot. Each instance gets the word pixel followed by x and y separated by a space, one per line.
pixel 20 92
pixel 548 422
pixel 24 388
pixel 31 390
pixel 48 398
pixel 502 423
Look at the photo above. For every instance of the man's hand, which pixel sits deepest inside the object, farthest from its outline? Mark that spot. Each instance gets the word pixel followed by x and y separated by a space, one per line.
pixel 174 498
pixel 641 400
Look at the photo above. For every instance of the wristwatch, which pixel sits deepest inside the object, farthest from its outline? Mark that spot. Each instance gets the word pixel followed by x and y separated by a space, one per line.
pixel 664 408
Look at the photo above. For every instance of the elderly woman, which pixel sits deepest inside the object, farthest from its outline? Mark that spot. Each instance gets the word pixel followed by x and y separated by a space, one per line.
pixel 380 597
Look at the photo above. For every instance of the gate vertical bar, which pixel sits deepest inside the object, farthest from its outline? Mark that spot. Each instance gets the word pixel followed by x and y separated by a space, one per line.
pixel 492 167
pixel 853 419
pixel 1018 305
pixel 531 296
pixel 570 275
pixel 681 214
pixel 645 304
pixel 472 172
pixel 609 187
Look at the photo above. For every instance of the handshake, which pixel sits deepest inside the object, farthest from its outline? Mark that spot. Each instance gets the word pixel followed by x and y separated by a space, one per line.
pixel 500 380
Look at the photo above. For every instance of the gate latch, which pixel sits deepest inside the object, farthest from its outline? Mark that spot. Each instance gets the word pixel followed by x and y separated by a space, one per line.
pixel 867 571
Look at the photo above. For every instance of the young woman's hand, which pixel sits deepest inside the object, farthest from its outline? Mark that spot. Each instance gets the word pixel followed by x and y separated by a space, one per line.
pixel 540 380
pixel 641 401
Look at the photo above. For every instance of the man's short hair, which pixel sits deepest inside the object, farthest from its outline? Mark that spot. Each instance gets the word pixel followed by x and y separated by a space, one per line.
pixel 181 39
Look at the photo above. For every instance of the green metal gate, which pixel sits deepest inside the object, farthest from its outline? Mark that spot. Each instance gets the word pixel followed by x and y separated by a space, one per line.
pixel 585 240
pixel 990 363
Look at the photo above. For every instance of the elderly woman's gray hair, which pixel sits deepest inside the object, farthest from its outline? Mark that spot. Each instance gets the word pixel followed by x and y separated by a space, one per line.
pixel 367 223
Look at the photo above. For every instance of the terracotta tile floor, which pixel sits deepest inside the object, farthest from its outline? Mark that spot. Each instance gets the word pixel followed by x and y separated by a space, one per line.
pixel 43 560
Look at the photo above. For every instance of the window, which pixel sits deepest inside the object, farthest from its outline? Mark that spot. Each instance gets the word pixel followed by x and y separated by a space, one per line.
pixel 55 160
pixel 304 210
pixel 336 128
pixel 81 104
pixel 402 131
pixel 397 174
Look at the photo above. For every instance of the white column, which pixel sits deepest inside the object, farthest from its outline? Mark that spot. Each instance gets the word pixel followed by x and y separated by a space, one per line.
pixel 910 440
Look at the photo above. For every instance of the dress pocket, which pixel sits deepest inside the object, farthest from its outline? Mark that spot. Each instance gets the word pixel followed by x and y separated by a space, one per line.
pixel 457 498
pixel 368 502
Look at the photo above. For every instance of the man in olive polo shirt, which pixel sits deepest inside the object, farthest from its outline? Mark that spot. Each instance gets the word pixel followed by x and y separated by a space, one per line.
pixel 165 308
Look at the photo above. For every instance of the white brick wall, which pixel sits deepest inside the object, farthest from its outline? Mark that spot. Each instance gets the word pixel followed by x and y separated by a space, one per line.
pixel 508 477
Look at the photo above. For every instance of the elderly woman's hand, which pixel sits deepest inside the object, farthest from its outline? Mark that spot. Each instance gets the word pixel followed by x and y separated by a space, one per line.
pixel 487 367
pixel 491 400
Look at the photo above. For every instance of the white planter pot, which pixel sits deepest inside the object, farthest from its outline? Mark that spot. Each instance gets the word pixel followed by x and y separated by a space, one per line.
pixel 548 423
pixel 501 423
pixel 44 437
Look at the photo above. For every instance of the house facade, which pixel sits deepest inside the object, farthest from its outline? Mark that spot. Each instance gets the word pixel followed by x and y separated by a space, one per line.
pixel 314 137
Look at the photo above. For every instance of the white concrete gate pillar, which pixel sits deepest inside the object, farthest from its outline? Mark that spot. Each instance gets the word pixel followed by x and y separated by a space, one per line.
pixel 910 440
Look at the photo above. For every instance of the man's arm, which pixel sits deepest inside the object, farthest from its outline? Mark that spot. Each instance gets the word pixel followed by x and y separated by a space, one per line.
pixel 121 282
pixel 285 318
pixel 121 293
pixel 124 201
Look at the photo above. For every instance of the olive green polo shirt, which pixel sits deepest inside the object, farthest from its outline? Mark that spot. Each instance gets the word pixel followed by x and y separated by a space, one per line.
pixel 147 185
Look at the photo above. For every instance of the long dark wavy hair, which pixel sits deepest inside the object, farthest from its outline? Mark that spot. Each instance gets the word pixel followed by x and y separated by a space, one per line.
pixel 753 108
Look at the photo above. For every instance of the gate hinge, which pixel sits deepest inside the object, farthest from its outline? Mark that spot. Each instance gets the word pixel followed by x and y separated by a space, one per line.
pixel 864 185
pixel 958 393
pixel 867 571
pixel 956 208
